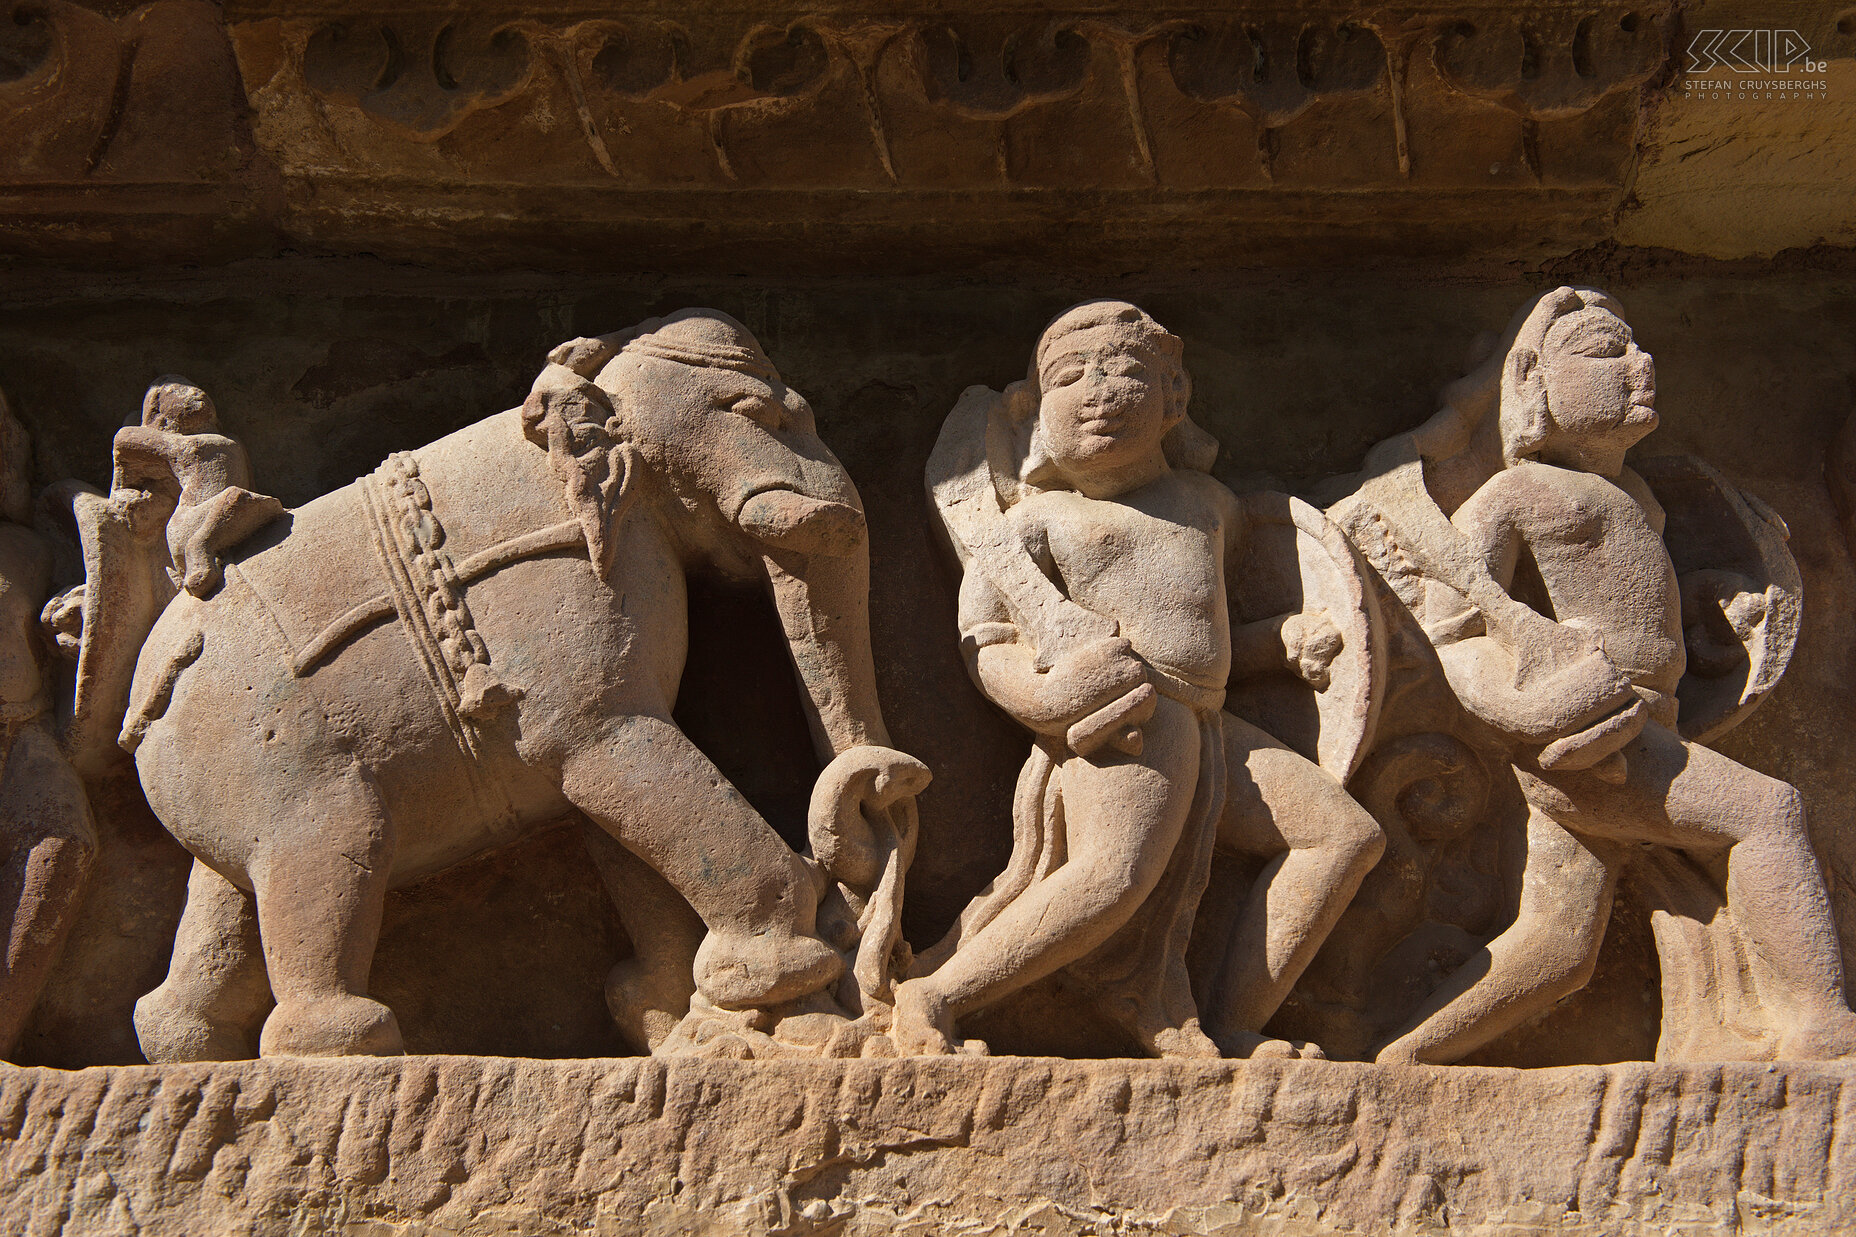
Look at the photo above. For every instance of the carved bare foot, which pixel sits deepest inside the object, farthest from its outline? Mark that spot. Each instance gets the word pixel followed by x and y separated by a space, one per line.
pixel 1183 1042
pixel 922 1024
pixel 204 577
pixel 1253 1046
pixel 343 1025
pixel 1402 1051
pixel 1831 1040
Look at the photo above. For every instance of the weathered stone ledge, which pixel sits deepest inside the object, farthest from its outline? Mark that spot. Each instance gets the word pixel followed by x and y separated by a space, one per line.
pixel 489 1145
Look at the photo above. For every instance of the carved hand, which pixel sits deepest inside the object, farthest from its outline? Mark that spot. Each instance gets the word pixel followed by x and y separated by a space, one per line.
pixel 63 620
pixel 1310 644
pixel 1081 682
pixel 1087 678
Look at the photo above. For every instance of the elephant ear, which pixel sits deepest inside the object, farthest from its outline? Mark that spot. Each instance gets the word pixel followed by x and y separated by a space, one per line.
pixel 567 415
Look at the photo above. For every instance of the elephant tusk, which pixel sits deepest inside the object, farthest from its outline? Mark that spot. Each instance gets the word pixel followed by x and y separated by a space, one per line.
pixel 786 520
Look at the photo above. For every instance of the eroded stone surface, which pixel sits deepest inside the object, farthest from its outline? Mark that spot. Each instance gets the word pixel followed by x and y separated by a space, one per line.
pixel 1239 132
pixel 432 1145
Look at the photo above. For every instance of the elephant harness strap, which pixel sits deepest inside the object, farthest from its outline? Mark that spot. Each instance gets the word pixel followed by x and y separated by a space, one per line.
pixel 425 587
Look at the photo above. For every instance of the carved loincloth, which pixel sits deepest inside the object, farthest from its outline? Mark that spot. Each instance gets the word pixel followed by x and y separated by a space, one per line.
pixel 1139 974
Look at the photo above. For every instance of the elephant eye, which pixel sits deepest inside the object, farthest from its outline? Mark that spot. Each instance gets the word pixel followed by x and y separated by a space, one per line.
pixel 761 409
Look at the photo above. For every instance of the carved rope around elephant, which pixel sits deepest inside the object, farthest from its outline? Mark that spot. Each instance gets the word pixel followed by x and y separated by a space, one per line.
pixel 426 589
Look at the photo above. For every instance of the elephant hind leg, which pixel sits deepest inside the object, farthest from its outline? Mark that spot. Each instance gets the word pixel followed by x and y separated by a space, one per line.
pixel 649 992
pixel 321 885
pixel 216 992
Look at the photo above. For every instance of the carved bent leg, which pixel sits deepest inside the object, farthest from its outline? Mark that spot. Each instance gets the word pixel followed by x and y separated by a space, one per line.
pixel 1693 798
pixel 650 788
pixel 223 521
pixel 649 992
pixel 1321 843
pixel 1547 953
pixel 321 883
pixel 1122 818
pixel 216 992
pixel 49 842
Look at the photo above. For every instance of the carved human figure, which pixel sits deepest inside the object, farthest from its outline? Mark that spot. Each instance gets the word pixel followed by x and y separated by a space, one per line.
pixel 483 636
pixel 176 455
pixel 47 838
pixel 1557 616
pixel 1093 609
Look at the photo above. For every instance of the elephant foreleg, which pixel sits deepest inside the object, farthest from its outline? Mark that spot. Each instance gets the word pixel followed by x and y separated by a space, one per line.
pixel 653 790
pixel 648 992
pixel 321 886
pixel 216 992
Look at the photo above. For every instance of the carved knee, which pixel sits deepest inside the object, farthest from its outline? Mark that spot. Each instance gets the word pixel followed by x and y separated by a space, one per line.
pixel 1565 956
pixel 1356 839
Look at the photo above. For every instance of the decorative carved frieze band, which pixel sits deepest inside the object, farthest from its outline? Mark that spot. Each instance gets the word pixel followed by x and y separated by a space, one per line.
pixel 1218 98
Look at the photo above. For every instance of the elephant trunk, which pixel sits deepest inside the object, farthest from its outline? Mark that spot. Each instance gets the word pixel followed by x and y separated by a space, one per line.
pixel 823 600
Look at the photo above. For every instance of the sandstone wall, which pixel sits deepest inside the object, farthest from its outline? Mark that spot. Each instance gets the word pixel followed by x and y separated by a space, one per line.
pixel 480 1147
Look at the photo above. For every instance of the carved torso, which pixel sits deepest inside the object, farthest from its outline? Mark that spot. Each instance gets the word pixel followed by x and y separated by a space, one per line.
pixel 1600 557
pixel 1152 559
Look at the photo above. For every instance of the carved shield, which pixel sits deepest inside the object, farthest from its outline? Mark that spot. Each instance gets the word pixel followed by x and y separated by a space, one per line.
pixel 1742 598
pixel 126 586
pixel 1297 560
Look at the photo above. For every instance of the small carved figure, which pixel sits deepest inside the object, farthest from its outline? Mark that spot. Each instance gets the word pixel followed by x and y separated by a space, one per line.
pixel 47 838
pixel 488 633
pixel 177 456
pixel 1098 552
pixel 1559 622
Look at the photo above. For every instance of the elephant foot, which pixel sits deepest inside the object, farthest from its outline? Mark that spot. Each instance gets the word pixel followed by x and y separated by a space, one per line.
pixel 169 1031
pixel 738 971
pixel 332 1026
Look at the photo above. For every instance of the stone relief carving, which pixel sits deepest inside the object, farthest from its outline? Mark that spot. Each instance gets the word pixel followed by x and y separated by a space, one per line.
pixel 48 838
pixel 973 100
pixel 374 692
pixel 1586 659
pixel 1097 553
pixel 147 95
pixel 1493 660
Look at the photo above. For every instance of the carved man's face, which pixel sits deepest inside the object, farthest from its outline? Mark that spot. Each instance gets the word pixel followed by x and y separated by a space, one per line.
pixel 1104 403
pixel 1600 388
pixel 184 410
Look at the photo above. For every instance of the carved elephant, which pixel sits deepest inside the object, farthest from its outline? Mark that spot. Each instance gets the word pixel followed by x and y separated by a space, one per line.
pixel 479 637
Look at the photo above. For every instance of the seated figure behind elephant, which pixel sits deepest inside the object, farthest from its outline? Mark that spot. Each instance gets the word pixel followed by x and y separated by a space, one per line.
pixel 479 637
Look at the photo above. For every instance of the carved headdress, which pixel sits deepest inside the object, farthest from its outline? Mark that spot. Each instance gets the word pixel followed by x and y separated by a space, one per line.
pixel 569 415
pixel 1488 388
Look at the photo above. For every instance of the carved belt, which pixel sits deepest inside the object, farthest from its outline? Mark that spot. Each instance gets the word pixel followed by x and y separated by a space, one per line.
pixel 425 588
